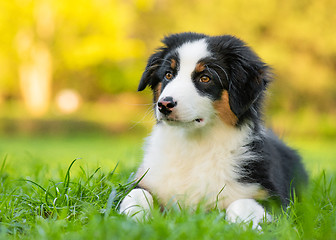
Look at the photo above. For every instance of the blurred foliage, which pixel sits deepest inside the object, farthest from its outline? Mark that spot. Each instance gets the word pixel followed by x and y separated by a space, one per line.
pixel 100 47
pixel 90 42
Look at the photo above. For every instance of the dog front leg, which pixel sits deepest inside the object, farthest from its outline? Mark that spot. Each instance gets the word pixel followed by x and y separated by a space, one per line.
pixel 246 210
pixel 137 204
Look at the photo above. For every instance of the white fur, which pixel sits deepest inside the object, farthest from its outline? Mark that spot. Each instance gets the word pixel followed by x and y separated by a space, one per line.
pixel 188 162
pixel 246 210
pixel 190 105
pixel 192 167
pixel 137 204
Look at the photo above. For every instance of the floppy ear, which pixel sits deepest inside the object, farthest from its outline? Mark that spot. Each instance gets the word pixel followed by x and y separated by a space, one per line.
pixel 248 81
pixel 149 77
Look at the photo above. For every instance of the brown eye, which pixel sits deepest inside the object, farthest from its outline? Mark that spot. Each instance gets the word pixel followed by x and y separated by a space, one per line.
pixel 169 76
pixel 204 79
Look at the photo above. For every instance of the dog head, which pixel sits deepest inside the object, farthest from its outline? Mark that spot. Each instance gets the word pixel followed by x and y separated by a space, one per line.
pixel 196 78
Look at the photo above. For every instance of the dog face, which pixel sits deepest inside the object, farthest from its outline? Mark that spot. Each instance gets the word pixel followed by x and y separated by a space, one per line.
pixel 196 78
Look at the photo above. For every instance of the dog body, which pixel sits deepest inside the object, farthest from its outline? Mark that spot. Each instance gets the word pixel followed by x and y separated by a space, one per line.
pixel 209 144
pixel 190 168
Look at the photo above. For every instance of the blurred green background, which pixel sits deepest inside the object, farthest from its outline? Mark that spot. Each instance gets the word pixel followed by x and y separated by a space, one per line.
pixel 71 68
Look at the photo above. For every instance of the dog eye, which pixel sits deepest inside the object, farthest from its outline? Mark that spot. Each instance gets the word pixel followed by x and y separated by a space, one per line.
pixel 169 76
pixel 205 79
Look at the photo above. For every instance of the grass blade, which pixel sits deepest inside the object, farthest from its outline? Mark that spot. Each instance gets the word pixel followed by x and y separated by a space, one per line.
pixel 38 185
pixel 129 190
pixel 67 177
pixel 3 164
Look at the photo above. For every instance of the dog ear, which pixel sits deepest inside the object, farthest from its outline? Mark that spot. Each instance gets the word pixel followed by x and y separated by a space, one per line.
pixel 149 77
pixel 248 81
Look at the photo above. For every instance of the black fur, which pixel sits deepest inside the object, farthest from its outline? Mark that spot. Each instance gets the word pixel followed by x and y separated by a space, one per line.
pixel 171 43
pixel 234 67
pixel 277 167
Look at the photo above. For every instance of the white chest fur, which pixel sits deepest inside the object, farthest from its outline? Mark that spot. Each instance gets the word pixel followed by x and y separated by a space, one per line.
pixel 193 167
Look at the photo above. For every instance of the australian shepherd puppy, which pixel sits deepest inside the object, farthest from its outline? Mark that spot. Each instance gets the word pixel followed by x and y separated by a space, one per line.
pixel 210 145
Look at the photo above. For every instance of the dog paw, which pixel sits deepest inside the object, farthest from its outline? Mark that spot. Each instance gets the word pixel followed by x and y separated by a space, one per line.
pixel 247 210
pixel 137 205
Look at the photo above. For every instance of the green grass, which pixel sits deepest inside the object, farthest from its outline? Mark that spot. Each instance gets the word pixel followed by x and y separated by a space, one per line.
pixel 45 193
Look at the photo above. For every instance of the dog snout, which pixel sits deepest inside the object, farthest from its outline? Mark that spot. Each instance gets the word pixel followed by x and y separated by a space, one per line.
pixel 166 105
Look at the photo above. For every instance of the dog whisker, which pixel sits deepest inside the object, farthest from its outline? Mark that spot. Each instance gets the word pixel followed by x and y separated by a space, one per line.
pixel 220 80
pixel 149 110
pixel 227 76
pixel 139 104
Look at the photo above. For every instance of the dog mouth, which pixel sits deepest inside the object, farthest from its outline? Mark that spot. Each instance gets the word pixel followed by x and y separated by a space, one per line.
pixel 199 120
pixel 175 120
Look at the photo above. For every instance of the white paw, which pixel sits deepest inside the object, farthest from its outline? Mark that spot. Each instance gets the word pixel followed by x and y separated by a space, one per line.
pixel 246 210
pixel 137 204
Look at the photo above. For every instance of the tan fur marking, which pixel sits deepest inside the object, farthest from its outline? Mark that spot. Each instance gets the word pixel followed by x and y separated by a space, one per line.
pixel 223 108
pixel 200 67
pixel 173 63
pixel 261 194
pixel 157 91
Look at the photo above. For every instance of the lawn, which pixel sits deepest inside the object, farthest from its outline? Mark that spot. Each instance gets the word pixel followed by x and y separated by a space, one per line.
pixel 69 188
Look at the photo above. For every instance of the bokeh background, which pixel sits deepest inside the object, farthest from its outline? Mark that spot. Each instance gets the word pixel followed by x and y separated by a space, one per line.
pixel 71 68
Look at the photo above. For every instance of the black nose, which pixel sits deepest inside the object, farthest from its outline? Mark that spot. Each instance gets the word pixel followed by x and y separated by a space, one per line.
pixel 166 105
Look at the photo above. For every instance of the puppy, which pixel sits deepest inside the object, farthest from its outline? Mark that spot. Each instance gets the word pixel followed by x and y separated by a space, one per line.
pixel 209 144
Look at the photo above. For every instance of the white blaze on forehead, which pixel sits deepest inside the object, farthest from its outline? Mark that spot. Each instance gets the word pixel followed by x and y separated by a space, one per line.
pixel 190 104
pixel 190 53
